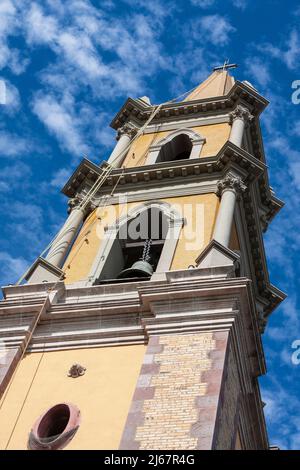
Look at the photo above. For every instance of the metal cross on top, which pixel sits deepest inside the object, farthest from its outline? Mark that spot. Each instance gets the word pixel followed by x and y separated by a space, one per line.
pixel 226 66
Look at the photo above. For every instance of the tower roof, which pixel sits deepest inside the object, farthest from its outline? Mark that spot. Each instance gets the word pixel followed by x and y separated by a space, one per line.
pixel 219 83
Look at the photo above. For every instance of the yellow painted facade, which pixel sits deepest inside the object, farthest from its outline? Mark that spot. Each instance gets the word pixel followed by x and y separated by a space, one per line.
pixel 199 212
pixel 216 136
pixel 103 394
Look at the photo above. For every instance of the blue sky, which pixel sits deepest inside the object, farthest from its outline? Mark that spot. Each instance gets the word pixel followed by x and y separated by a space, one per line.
pixel 69 66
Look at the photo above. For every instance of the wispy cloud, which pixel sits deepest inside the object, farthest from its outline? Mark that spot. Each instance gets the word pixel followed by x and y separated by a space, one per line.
pixel 241 4
pixel 11 267
pixel 213 28
pixel 288 52
pixel 12 98
pixel 10 24
pixel 12 144
pixel 203 3
pixel 282 411
pixel 15 175
pixel 61 121
pixel 60 178
pixel 259 70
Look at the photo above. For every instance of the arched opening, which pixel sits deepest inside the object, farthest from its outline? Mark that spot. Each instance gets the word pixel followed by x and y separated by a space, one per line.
pixel 136 250
pixel 179 148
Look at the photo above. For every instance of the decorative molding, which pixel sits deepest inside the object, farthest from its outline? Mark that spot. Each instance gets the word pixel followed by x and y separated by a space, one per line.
pixel 240 112
pixel 187 123
pixel 126 313
pixel 128 129
pixel 74 203
pixel 76 370
pixel 231 182
pixel 192 187
pixel 239 93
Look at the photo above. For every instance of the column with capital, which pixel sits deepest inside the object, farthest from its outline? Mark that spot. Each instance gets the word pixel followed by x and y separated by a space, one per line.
pixel 65 236
pixel 239 119
pixel 124 136
pixel 229 189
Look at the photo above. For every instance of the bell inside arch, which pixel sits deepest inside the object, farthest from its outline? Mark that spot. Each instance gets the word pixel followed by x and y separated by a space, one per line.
pixel 140 268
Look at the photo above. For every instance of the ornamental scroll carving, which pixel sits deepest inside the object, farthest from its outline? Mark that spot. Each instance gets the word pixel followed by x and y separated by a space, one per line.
pixel 76 370
pixel 232 182
pixel 127 129
pixel 240 112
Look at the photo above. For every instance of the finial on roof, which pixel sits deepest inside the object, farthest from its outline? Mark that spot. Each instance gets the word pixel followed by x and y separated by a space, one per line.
pixel 225 66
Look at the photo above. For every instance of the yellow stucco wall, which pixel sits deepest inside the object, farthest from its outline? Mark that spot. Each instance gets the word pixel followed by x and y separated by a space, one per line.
pixel 103 394
pixel 216 136
pixel 198 210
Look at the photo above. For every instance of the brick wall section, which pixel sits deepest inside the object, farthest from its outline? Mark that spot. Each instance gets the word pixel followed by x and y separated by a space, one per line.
pixel 176 398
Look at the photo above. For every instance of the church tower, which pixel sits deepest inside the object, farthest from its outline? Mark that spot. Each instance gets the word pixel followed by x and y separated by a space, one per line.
pixel 140 326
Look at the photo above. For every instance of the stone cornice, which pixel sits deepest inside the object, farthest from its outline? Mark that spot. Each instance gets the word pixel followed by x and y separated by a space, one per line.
pixel 129 313
pixel 140 113
pixel 229 154
pixel 132 178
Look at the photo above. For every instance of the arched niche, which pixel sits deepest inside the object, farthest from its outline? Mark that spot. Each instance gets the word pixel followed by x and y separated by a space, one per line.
pixel 123 242
pixel 178 145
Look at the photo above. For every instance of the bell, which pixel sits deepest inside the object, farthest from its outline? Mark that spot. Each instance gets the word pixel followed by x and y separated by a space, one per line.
pixel 140 268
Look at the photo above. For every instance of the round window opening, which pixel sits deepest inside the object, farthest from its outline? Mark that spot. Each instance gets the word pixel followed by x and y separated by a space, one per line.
pixel 55 428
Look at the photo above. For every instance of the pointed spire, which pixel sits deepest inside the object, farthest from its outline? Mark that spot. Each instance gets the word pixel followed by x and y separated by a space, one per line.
pixel 219 83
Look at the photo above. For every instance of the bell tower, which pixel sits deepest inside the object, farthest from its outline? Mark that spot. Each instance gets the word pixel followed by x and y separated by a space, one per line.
pixel 160 273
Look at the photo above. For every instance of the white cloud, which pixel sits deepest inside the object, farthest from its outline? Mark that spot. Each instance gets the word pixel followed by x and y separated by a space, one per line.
pixel 203 3
pixel 259 70
pixel 60 178
pixel 10 24
pixel 40 28
pixel 289 52
pixel 12 97
pixel 12 144
pixel 60 120
pixel 241 4
pixel 15 175
pixel 11 268
pixel 282 412
pixel 213 28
